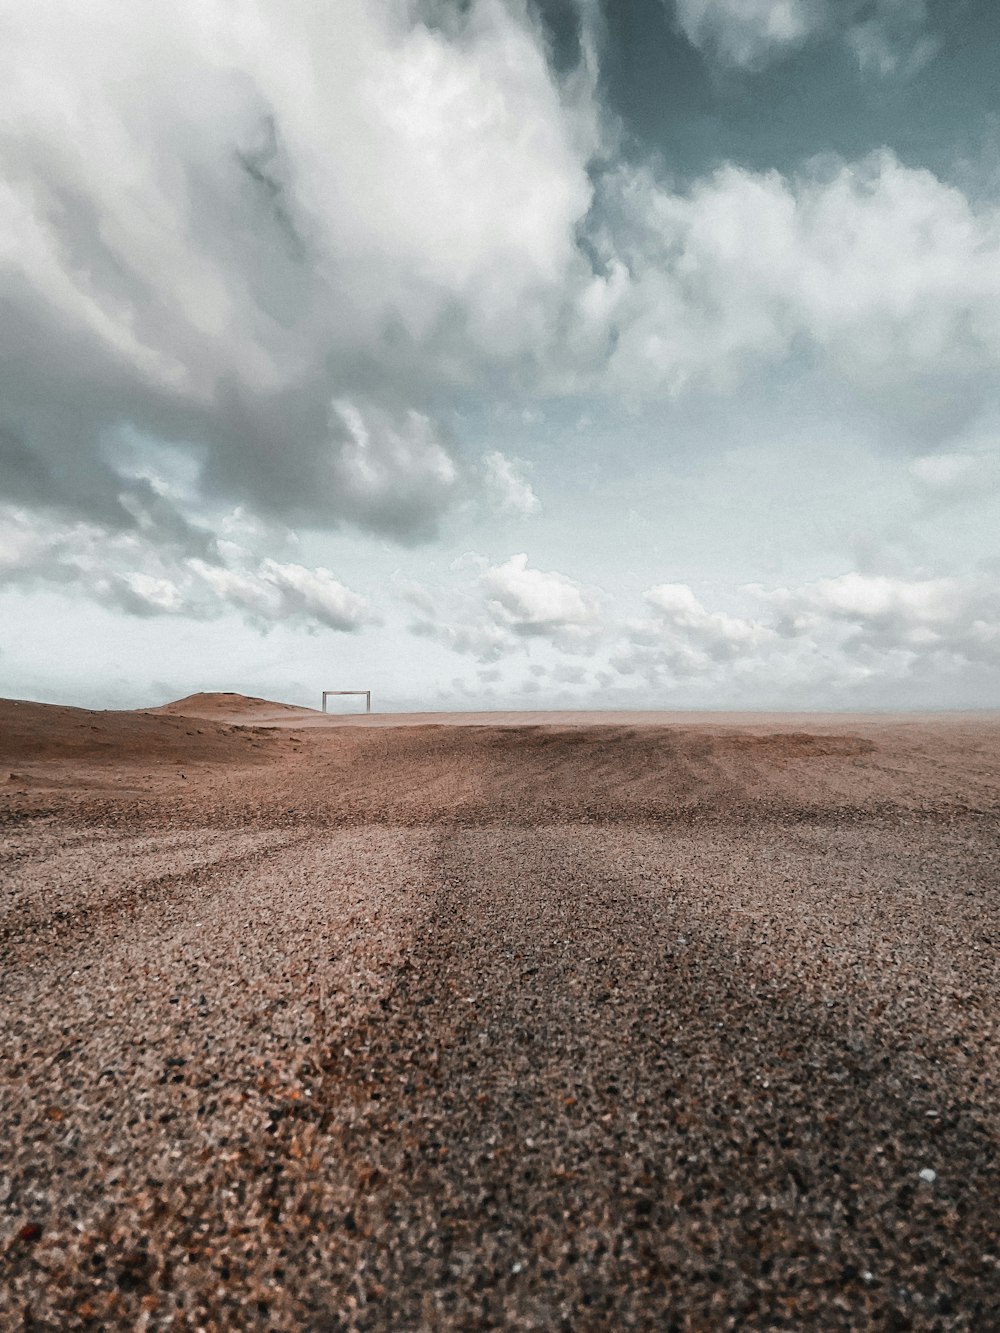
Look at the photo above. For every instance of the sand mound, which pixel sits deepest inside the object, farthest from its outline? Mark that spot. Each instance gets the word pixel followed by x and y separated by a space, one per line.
pixel 221 706
pixel 34 731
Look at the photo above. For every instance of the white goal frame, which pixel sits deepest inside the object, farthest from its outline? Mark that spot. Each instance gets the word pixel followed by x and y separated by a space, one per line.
pixel 366 693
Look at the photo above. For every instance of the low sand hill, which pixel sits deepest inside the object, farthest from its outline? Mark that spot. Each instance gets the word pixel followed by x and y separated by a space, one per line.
pixel 236 709
pixel 33 731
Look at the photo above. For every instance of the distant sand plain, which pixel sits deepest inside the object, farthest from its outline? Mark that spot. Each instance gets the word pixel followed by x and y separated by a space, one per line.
pixel 550 1020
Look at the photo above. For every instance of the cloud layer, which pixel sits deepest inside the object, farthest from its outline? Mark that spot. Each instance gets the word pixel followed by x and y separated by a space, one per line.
pixel 273 259
pixel 274 241
pixel 851 639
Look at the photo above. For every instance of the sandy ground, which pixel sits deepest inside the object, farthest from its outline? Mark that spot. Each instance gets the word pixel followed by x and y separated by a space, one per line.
pixel 558 1022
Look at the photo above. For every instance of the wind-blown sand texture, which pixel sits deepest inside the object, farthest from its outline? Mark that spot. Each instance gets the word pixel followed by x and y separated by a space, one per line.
pixel 567 1022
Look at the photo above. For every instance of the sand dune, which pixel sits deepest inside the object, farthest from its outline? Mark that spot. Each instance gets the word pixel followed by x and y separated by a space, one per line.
pixel 475 1022
pixel 240 709
pixel 30 731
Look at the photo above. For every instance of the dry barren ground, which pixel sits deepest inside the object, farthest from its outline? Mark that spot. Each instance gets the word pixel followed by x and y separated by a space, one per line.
pixel 606 1023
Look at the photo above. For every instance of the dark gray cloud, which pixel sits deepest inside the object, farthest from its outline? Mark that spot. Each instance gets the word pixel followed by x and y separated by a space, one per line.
pixel 272 249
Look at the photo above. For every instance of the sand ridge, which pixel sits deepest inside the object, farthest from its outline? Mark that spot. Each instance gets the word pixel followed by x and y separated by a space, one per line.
pixel 237 709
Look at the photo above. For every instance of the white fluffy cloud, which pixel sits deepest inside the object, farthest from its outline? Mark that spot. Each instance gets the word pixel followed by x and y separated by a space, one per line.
pixel 537 602
pixel 885 272
pixel 919 617
pixel 699 637
pixel 903 609
pixel 140 578
pixel 272 591
pixel 503 609
pixel 391 475
pixel 854 632
pixel 682 640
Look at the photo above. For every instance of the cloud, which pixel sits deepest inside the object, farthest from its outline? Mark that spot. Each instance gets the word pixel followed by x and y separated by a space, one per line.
pixel 512 491
pixel 504 609
pixel 274 592
pixel 477 637
pixel 882 615
pixel 749 33
pixel 943 472
pixel 902 608
pixel 854 634
pixel 684 640
pixel 291 309
pixel 538 603
pixel 965 476
pixel 853 631
pixel 455 616
pixel 855 640
pixel 886 37
pixel 894 39
pixel 393 476
pixel 140 578
pixel 888 277
pixel 720 637
pixel 285 280
pixel 275 272
pixel 141 594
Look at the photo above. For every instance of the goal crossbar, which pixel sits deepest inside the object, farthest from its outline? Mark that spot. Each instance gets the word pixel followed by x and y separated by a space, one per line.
pixel 366 693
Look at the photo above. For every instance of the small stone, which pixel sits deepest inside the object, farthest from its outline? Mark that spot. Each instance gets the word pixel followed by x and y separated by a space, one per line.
pixel 929 1175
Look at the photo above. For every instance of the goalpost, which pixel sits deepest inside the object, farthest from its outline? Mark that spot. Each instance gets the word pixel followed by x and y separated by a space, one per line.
pixel 366 693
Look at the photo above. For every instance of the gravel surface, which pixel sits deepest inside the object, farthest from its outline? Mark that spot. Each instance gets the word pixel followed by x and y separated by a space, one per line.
pixel 593 1027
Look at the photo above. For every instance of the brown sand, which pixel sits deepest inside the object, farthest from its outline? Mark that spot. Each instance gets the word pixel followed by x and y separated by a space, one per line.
pixel 597 1022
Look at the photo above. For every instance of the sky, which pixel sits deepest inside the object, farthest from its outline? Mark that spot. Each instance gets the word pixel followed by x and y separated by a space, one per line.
pixel 501 353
